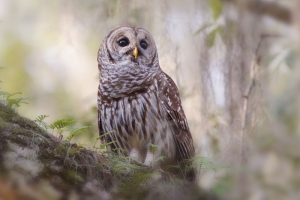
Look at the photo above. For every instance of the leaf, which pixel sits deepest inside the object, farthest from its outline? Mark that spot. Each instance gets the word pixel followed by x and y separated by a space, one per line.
pixel 39 121
pixel 40 118
pixel 13 102
pixel 153 148
pixel 160 158
pixel 76 130
pixel 101 136
pixel 16 102
pixel 102 146
pixel 8 95
pixel 212 37
pixel 80 129
pixel 205 164
pixel 217 7
pixel 61 123
pixel 2 93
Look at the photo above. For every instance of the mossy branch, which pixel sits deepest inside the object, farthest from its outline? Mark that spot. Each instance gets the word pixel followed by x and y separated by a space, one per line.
pixel 37 165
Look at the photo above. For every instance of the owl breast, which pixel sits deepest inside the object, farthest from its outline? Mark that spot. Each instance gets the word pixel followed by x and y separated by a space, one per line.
pixel 137 121
pixel 125 80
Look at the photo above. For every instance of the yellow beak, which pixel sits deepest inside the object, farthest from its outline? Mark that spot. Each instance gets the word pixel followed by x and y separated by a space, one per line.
pixel 135 52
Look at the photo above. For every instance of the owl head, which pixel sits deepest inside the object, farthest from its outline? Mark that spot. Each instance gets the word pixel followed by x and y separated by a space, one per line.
pixel 127 61
pixel 128 47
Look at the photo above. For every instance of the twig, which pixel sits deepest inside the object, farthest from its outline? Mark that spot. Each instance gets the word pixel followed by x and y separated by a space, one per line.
pixel 246 97
pixel 247 93
pixel 250 86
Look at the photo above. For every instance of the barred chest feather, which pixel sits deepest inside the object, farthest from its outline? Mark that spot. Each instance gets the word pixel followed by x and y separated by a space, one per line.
pixel 134 122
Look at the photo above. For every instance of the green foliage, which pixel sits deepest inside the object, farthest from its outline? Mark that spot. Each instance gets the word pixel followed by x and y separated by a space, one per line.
pixel 215 27
pixel 60 126
pixel 132 177
pixel 212 37
pixel 61 123
pixel 74 176
pixel 7 98
pixel 40 121
pixel 102 146
pixel 160 158
pixel 12 102
pixel 217 7
pixel 136 184
pixel 74 131
pixel 152 148
pixel 123 165
pixel 205 164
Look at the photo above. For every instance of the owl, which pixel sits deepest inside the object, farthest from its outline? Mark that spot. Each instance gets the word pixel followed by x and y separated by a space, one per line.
pixel 139 109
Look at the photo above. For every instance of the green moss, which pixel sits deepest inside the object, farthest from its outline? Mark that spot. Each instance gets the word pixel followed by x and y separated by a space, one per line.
pixel 136 185
pixel 61 148
pixel 3 124
pixel 6 113
pixel 74 176
pixel 46 154
pixel 73 151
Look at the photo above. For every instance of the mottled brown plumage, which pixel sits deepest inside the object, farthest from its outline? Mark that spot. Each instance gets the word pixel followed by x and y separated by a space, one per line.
pixel 139 105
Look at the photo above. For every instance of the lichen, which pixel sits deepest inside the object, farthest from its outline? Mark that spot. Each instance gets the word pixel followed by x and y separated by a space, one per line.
pixel 22 159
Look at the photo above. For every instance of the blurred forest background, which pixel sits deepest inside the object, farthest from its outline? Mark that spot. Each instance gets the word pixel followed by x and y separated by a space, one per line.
pixel 235 62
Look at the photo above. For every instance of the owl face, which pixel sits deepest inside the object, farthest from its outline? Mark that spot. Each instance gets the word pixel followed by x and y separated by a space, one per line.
pixel 127 60
pixel 130 47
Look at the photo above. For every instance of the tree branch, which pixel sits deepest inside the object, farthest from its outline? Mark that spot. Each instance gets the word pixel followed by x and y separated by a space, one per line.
pixel 36 165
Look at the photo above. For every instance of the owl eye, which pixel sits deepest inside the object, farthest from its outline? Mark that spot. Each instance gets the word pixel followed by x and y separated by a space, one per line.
pixel 143 44
pixel 123 42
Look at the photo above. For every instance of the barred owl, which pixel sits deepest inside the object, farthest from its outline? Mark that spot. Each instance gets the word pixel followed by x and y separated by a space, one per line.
pixel 139 108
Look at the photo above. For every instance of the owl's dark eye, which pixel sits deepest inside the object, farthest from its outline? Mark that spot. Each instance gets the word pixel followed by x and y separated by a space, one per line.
pixel 143 44
pixel 123 42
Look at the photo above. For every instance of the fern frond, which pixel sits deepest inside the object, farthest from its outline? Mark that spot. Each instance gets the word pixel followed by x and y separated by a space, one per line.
pixel 205 164
pixel 76 130
pixel 101 136
pixel 102 146
pixel 2 93
pixel 40 122
pixel 80 129
pixel 61 123
pixel 40 118
pixel 16 102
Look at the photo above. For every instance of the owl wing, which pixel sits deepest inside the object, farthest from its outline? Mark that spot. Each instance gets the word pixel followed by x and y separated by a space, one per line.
pixel 102 134
pixel 169 97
